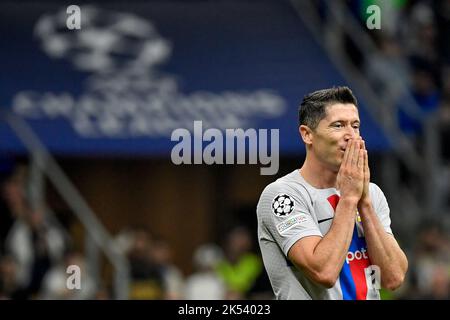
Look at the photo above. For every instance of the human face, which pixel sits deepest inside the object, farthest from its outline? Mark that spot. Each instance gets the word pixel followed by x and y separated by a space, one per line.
pixel 329 140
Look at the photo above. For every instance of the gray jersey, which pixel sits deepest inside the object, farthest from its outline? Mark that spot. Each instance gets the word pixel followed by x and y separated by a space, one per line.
pixel 290 209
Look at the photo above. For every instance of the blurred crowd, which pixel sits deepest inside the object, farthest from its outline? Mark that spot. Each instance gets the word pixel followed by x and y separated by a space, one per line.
pixel 406 61
pixel 36 251
pixel 413 50
pixel 429 273
pixel 220 272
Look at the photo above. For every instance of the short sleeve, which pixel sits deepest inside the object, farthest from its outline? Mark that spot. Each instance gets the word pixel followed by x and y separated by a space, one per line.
pixel 284 212
pixel 381 207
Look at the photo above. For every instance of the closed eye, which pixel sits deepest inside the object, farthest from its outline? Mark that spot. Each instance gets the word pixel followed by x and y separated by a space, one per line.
pixel 340 124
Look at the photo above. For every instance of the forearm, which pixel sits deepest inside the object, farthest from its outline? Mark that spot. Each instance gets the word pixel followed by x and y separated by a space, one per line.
pixel 383 250
pixel 331 251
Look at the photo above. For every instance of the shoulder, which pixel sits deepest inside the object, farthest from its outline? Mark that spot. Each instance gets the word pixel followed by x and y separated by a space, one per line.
pixel 375 190
pixel 285 185
pixel 283 194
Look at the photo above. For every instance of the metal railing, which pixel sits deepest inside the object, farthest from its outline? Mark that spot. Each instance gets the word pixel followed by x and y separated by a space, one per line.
pixel 97 235
pixel 383 109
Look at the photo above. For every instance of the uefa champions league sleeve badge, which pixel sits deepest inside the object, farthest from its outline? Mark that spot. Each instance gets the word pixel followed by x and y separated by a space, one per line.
pixel 282 205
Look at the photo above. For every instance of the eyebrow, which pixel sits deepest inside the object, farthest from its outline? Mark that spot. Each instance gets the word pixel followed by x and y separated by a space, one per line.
pixel 354 121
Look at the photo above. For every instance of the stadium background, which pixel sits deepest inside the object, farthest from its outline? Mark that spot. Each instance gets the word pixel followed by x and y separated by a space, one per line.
pixel 97 187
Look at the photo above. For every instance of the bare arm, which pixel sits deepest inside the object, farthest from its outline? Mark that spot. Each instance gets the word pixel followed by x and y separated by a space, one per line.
pixel 322 258
pixel 382 247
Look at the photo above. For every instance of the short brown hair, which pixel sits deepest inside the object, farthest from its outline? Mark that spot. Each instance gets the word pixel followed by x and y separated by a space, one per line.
pixel 312 108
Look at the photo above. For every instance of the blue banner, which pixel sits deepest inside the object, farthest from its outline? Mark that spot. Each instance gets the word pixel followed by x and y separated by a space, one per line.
pixel 133 72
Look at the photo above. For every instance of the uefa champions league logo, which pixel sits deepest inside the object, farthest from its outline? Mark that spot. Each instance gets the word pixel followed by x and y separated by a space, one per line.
pixel 282 205
pixel 125 94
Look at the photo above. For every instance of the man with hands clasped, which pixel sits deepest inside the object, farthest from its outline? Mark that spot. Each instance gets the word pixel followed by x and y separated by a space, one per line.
pixel 324 230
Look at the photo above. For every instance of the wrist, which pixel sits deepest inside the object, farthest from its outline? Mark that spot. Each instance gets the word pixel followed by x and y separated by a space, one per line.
pixel 365 207
pixel 365 203
pixel 349 201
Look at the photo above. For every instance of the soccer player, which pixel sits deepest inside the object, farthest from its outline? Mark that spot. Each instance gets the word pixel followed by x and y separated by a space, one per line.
pixel 324 229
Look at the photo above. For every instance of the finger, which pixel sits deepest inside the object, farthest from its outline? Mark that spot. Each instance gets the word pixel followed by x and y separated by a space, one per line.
pixel 361 160
pixel 355 151
pixel 366 164
pixel 346 153
pixel 351 151
pixel 363 144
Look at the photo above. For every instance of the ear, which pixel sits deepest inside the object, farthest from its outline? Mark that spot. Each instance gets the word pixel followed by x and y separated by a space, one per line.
pixel 306 133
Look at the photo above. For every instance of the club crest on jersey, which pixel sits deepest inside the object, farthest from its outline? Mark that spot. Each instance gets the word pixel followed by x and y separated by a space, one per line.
pixel 282 205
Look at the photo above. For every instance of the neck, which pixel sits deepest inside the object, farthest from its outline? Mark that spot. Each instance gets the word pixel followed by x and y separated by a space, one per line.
pixel 318 175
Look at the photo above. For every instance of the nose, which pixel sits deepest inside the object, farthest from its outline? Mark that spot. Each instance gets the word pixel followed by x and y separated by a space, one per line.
pixel 350 133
